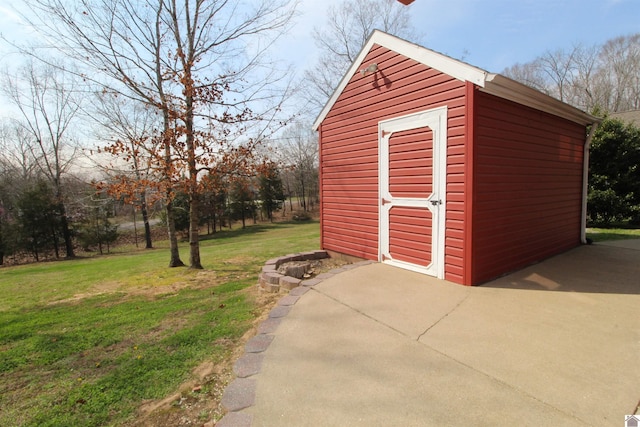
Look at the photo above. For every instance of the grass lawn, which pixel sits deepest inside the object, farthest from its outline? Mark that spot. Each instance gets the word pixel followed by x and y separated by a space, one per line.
pixel 86 342
pixel 600 234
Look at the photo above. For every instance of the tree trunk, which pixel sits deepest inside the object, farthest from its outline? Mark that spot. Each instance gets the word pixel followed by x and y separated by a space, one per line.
pixel 54 239
pixel 242 208
pixel 66 233
pixel 145 220
pixel 35 248
pixel 175 260
pixel 194 228
pixel 194 196
pixel 1 245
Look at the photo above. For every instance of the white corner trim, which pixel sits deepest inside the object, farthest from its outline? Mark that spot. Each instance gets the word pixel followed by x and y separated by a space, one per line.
pixel 585 183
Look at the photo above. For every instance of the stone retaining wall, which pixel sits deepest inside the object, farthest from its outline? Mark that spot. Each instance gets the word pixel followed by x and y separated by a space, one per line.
pixel 273 281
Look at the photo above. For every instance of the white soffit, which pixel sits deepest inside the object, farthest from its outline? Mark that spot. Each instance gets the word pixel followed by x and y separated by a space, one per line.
pixel 494 84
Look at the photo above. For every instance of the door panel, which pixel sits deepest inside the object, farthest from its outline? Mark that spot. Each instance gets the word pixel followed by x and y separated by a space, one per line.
pixel 410 235
pixel 412 171
pixel 411 163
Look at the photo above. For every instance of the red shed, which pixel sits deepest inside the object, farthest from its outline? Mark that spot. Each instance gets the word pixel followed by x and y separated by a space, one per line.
pixel 434 165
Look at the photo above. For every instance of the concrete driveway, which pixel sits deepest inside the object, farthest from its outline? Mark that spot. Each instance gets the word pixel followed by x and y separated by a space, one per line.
pixel 556 344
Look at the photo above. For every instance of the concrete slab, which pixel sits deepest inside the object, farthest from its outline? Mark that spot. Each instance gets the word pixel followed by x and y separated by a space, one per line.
pixel 406 301
pixel 626 243
pixel 331 366
pixel 576 347
pixel 555 344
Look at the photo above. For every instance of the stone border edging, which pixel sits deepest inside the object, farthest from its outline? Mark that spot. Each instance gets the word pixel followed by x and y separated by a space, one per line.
pixel 241 392
pixel 272 281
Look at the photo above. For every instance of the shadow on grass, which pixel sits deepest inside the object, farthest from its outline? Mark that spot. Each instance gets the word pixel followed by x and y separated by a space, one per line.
pixel 250 229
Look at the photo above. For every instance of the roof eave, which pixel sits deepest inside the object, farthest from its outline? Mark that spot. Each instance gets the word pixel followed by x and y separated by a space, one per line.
pixel 506 88
pixel 457 69
pixel 494 84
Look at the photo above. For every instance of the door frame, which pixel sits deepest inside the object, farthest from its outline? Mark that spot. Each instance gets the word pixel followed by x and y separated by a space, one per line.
pixel 436 120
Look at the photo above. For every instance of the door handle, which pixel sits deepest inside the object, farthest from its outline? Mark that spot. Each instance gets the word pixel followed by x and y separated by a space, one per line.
pixel 436 202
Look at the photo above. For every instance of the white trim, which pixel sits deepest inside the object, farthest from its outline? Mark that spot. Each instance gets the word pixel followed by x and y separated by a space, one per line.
pixel 436 119
pixel 454 68
pixel 585 183
pixel 494 84
pixel 506 88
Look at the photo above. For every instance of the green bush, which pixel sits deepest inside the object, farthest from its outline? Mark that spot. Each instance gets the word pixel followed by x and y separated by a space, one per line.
pixel 614 186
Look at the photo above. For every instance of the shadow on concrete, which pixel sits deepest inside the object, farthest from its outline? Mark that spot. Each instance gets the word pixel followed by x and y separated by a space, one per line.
pixel 599 268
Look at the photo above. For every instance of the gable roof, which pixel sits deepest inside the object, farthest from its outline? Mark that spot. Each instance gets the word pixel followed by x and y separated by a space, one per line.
pixel 494 84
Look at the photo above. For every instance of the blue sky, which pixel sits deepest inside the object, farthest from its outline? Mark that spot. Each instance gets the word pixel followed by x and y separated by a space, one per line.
pixel 494 34
pixel 490 34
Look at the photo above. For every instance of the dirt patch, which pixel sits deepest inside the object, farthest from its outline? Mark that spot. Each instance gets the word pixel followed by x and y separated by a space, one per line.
pixel 205 278
pixel 197 401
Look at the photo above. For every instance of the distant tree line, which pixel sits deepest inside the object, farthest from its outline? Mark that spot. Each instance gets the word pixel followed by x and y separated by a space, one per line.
pixel 598 79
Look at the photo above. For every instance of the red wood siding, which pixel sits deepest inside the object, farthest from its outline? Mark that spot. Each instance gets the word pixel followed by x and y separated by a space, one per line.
pixel 349 153
pixel 527 180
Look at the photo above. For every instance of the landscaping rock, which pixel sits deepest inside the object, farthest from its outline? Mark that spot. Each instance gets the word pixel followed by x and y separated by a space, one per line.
pixel 280 311
pixel 272 278
pixel 269 325
pixel 235 419
pixel 258 344
pixel 288 300
pixel 249 364
pixel 240 394
pixel 299 291
pixel 289 283
pixel 295 269
pixel 268 287
pixel 310 282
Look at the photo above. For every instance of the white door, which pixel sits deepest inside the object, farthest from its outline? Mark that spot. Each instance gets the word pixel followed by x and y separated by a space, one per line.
pixel 412 171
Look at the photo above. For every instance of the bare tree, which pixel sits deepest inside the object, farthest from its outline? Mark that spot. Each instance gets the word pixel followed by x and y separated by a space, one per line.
pixel 193 60
pixel 348 26
pixel 48 103
pixel 298 152
pixel 199 43
pixel 620 73
pixel 17 172
pixel 584 91
pixel 529 73
pixel 128 127
pixel 558 66
pixel 16 145
pixel 602 78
